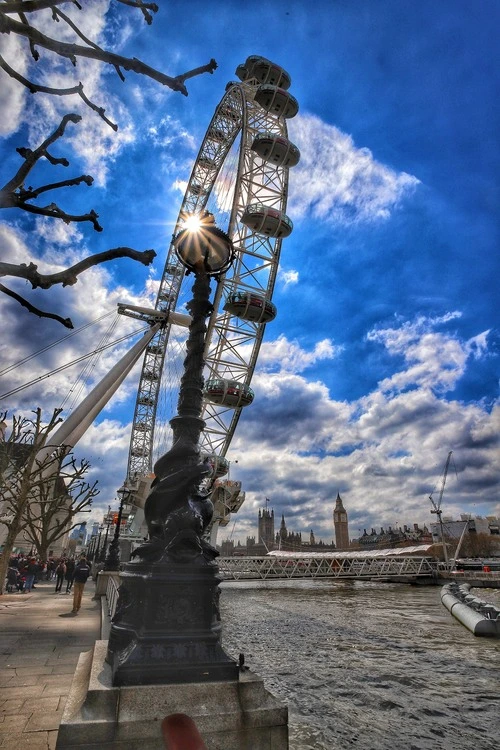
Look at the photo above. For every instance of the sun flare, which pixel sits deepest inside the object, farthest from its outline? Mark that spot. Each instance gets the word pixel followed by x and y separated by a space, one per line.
pixel 192 223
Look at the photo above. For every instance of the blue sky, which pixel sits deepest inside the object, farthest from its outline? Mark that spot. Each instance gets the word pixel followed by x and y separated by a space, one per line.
pixel 384 355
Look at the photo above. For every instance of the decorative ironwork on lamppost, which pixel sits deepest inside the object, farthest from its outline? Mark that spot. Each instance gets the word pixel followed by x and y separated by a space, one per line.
pixel 112 561
pixel 167 628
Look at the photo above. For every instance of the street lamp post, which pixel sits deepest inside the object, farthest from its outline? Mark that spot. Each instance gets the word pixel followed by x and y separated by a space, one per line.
pixel 112 561
pixel 167 628
pixel 102 556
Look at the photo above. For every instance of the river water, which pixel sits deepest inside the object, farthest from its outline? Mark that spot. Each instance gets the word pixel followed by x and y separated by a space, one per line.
pixel 367 665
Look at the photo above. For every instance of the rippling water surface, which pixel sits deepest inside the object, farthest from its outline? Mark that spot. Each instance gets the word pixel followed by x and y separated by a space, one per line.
pixel 368 665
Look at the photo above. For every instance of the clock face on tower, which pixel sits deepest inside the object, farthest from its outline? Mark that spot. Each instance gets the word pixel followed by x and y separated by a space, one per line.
pixel 343 517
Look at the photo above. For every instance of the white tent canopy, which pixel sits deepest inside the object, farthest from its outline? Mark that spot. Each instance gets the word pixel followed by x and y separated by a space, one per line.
pixel 422 549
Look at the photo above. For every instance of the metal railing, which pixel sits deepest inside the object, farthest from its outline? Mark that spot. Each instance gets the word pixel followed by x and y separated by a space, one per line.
pixel 241 568
pixel 111 596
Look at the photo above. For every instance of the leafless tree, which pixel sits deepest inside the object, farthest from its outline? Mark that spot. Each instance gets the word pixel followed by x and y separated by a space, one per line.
pixel 41 490
pixel 59 501
pixel 19 17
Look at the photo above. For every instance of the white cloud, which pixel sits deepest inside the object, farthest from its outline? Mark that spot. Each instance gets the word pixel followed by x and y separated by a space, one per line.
pixel 433 360
pixel 57 232
pixel 288 277
pixel 288 356
pixel 337 182
pixel 12 94
pixel 385 451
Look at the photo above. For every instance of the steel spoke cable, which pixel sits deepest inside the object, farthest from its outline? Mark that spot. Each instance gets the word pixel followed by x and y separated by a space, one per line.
pixel 54 343
pixel 70 364
pixel 79 384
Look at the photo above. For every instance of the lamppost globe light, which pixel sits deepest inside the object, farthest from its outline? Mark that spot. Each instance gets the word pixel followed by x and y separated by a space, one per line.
pixel 203 245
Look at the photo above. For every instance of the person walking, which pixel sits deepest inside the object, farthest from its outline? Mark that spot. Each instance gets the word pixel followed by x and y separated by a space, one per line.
pixel 60 573
pixel 31 570
pixel 82 572
pixel 12 579
pixel 70 569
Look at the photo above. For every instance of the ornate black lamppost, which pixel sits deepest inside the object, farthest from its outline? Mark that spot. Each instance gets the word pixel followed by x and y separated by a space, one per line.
pixel 107 522
pixel 167 624
pixel 112 561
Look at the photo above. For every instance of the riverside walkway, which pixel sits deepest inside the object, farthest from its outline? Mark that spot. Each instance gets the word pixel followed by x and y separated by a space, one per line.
pixel 40 641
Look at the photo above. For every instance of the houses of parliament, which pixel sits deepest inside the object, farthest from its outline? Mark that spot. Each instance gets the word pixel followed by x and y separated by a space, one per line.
pixel 289 541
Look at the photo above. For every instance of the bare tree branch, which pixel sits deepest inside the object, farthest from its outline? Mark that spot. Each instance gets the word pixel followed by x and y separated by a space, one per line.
pixel 67 323
pixel 35 88
pixel 26 195
pixel 73 51
pixel 55 212
pixel 13 194
pixel 15 19
pixel 68 277
pixel 32 6
pixel 144 7
pixel 31 157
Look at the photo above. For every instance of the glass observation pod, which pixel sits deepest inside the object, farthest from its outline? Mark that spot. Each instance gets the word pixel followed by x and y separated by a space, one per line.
pixel 228 392
pixel 250 306
pixel 276 149
pixel 265 220
pixel 277 101
pixel 219 464
pixel 264 71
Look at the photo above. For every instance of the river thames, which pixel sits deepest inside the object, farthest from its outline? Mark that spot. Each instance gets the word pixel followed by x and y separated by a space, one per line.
pixel 367 665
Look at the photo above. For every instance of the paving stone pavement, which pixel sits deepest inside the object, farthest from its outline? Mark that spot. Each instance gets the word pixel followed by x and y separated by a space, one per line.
pixel 40 641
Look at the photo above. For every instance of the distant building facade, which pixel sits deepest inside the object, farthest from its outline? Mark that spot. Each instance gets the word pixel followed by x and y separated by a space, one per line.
pixel 266 528
pixel 388 538
pixel 341 524
pixel 268 540
pixel 477 525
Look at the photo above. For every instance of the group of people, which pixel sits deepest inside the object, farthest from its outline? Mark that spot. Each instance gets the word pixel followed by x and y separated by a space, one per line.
pixel 24 572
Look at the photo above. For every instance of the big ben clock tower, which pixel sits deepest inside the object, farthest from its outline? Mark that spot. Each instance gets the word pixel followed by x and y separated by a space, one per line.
pixel 341 525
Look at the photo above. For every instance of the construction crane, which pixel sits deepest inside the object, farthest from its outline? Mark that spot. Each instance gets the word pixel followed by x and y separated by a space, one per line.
pixel 436 507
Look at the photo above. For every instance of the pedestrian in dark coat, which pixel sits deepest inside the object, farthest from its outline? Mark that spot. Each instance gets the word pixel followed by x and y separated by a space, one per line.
pixel 82 572
pixel 60 573
pixel 70 570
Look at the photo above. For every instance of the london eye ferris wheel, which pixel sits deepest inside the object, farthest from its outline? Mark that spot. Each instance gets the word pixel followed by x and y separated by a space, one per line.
pixel 241 177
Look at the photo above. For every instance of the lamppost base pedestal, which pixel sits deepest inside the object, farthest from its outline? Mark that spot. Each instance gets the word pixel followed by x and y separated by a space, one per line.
pixel 166 627
pixel 238 713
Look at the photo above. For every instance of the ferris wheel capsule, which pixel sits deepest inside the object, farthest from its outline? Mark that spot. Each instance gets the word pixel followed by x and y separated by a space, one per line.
pixel 274 148
pixel 219 464
pixel 271 222
pixel 264 71
pixel 250 306
pixel 276 101
pixel 228 392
